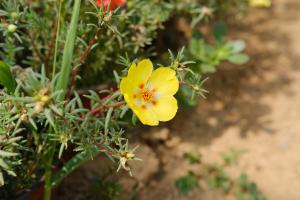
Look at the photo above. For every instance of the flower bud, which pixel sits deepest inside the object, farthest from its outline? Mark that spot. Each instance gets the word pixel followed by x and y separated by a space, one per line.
pixel 207 11
pixel 14 15
pixel 44 98
pixel 129 155
pixel 12 28
pixel 38 107
pixel 24 115
pixel 108 17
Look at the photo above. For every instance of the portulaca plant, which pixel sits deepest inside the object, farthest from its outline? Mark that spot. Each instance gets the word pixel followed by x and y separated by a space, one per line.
pixel 51 51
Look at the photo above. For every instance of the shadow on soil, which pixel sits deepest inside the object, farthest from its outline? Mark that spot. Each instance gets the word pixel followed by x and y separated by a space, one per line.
pixel 237 92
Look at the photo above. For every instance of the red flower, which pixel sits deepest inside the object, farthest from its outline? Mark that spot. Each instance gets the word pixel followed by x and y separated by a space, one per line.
pixel 113 5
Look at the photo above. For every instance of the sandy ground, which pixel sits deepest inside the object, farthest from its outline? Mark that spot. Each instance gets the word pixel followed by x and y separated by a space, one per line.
pixel 254 107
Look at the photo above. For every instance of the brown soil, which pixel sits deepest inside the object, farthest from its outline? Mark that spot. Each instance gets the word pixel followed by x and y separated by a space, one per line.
pixel 254 107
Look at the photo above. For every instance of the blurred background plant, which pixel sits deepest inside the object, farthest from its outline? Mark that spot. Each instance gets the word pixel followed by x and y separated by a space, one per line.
pixel 215 175
pixel 61 63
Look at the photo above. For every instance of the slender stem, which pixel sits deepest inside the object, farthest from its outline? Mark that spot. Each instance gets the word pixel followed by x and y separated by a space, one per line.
pixel 57 38
pixel 48 172
pixel 88 48
pixel 48 188
pixel 102 108
pixel 35 48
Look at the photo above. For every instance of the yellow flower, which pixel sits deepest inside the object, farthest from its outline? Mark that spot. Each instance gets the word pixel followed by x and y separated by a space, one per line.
pixel 150 93
pixel 260 3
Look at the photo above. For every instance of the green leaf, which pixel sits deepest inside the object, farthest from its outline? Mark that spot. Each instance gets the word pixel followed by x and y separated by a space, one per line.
pixel 61 149
pixel 239 58
pixel 221 54
pixel 12 173
pixel 187 183
pixel 237 46
pixel 6 77
pixel 65 71
pixel 14 139
pixel 124 111
pixel 71 165
pixel 193 158
pixel 48 115
pixel 107 120
pixel 134 119
pixel 1 179
pixel 7 154
pixel 232 156
pixel 243 181
pixel 184 96
pixel 205 68
pixel 220 31
pixel 3 164
pixel 197 48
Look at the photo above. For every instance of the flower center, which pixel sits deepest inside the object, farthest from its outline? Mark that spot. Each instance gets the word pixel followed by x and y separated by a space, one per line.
pixel 147 95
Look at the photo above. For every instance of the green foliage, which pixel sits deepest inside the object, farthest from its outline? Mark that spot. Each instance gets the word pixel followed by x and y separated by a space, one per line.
pixel 66 66
pixel 219 179
pixel 187 183
pixel 191 81
pixel 103 189
pixel 232 156
pixel 10 145
pixel 208 57
pixel 216 177
pixel 34 108
pixel 59 48
pixel 72 164
pixel 248 189
pixel 193 158
pixel 6 77
pixel 220 31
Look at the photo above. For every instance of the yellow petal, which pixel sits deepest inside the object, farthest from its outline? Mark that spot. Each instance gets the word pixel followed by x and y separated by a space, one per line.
pixel 127 89
pixel 146 116
pixel 139 74
pixel 164 80
pixel 166 108
pixel 126 86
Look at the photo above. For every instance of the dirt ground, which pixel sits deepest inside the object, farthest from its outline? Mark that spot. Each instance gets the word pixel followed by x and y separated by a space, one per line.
pixel 254 107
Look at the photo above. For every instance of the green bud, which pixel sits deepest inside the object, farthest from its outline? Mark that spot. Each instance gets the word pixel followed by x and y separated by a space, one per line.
pixel 12 28
pixel 14 15
pixel 45 98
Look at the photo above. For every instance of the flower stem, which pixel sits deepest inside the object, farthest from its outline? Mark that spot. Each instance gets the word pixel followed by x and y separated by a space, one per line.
pixel 47 194
pixel 103 108
pixel 48 173
pixel 57 38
